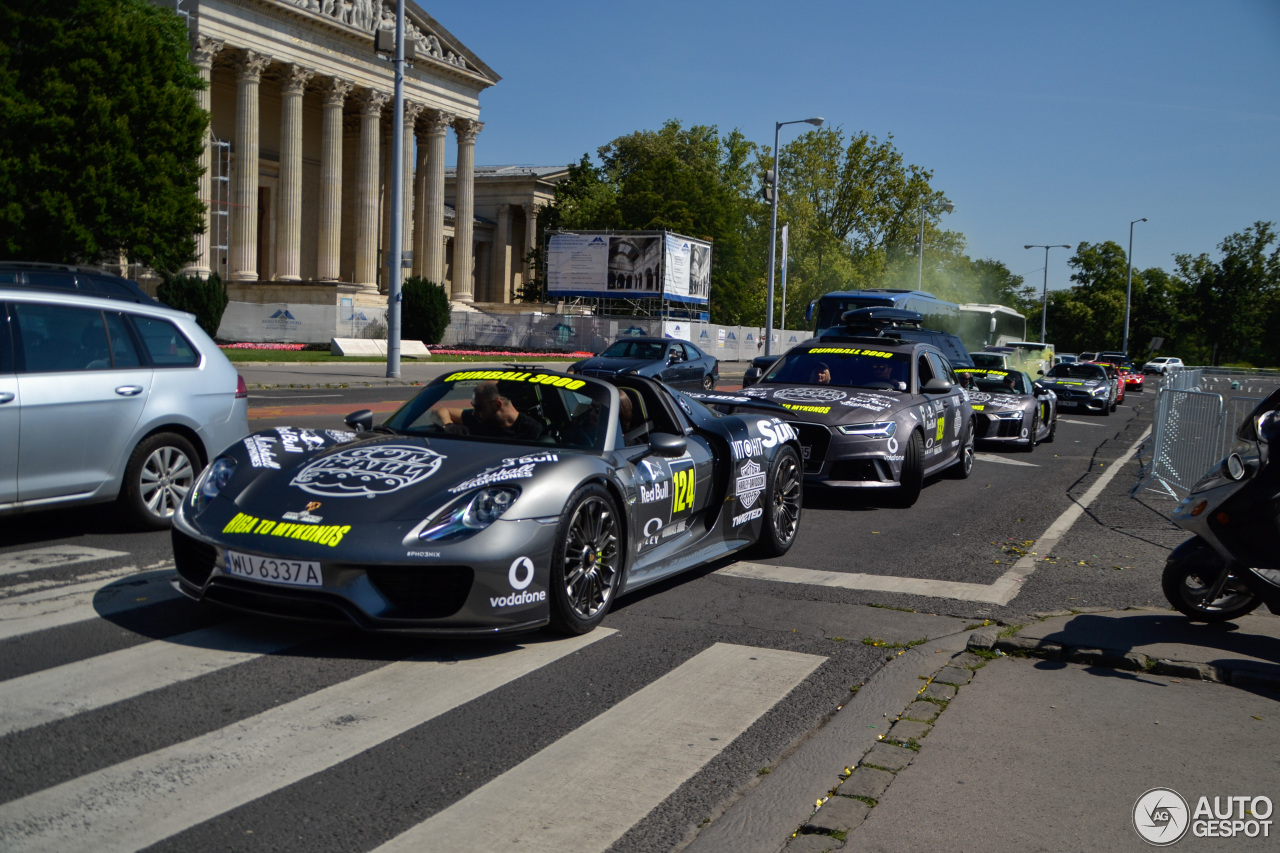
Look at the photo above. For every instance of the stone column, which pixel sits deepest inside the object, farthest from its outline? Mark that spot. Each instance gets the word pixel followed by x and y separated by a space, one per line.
pixel 498 287
pixel 433 236
pixel 289 244
pixel 411 113
pixel 206 49
pixel 420 213
pixel 329 251
pixel 244 175
pixel 530 242
pixel 464 209
pixel 367 208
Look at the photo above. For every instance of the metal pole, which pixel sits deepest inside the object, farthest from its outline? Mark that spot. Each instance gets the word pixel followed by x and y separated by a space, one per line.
pixel 1128 286
pixel 397 204
pixel 773 235
pixel 920 253
pixel 783 323
pixel 1044 306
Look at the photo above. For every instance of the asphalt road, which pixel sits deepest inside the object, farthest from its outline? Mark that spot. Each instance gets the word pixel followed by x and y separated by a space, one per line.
pixel 131 718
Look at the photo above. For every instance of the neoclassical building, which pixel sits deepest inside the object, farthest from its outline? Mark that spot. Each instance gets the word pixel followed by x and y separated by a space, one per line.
pixel 298 162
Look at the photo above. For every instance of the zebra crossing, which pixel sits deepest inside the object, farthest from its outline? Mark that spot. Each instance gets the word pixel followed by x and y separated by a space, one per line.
pixel 561 796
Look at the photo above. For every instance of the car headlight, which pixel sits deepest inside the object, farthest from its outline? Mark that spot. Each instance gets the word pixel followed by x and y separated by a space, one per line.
pixel 1101 392
pixel 212 482
pixel 882 429
pixel 1010 416
pixel 471 514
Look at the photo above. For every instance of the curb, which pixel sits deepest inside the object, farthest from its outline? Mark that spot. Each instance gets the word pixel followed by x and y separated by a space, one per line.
pixel 1244 676
pixel 862 784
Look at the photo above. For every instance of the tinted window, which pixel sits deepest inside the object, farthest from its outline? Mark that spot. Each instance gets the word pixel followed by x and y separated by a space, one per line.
pixel 51 280
pixel 6 350
pixel 60 338
pixel 164 343
pixel 8 277
pixel 113 288
pixel 124 353
pixel 942 368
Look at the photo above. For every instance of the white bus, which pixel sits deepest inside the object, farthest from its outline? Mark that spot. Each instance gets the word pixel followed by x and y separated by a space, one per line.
pixel 985 325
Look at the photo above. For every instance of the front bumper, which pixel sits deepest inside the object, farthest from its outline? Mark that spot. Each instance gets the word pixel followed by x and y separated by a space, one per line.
pixel 1001 427
pixel 846 461
pixel 461 589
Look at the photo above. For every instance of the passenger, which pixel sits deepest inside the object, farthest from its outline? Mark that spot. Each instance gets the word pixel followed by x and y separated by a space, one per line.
pixel 1010 384
pixel 821 374
pixel 492 415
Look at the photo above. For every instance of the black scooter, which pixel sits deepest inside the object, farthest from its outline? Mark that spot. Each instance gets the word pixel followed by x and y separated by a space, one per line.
pixel 1232 564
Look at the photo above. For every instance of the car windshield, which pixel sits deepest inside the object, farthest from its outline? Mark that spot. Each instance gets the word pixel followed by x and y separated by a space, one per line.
pixel 1078 371
pixel 648 350
pixel 510 406
pixel 849 367
pixel 994 381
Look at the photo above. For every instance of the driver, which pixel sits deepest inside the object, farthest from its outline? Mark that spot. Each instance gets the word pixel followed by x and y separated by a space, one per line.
pixel 492 415
pixel 882 371
pixel 821 374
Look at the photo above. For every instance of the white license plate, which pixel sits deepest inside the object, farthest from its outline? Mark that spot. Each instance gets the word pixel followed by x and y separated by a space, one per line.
pixel 1067 404
pixel 272 569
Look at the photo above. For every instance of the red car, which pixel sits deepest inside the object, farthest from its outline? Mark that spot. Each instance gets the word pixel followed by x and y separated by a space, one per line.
pixel 1133 379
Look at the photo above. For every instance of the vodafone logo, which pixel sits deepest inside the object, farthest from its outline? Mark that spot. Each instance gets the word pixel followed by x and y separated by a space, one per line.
pixel 521 573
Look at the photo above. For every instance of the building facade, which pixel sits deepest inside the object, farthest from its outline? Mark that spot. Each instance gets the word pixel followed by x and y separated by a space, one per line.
pixel 298 161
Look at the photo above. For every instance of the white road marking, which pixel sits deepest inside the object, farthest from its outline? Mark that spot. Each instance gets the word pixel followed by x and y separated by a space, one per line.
pixel 580 794
pixel 80 602
pixel 1002 591
pixel 64 691
pixel 17 562
pixel 1003 460
pixel 1081 423
pixel 142 801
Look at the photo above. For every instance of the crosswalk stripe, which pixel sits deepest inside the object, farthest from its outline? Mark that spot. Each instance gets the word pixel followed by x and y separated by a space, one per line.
pixel 64 691
pixel 65 605
pixel 568 797
pixel 51 557
pixel 141 801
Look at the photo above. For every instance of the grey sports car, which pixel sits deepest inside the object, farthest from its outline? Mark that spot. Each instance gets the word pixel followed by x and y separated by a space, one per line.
pixel 679 364
pixel 493 501
pixel 1009 408
pixel 871 412
pixel 1082 386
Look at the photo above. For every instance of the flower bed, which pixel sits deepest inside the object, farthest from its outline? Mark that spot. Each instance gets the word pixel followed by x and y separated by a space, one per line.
pixel 263 346
pixel 508 354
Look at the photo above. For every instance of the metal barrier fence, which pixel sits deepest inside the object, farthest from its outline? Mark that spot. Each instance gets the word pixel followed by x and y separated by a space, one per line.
pixel 1194 429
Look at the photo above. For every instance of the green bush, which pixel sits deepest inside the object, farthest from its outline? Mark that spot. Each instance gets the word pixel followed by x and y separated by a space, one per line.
pixel 206 299
pixel 424 311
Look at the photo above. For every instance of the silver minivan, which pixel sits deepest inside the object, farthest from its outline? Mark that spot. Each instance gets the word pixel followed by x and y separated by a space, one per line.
pixel 104 400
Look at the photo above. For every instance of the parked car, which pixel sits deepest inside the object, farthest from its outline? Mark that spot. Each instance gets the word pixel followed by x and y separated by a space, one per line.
pixel 1165 364
pixel 679 364
pixel 417 526
pixel 67 278
pixel 107 399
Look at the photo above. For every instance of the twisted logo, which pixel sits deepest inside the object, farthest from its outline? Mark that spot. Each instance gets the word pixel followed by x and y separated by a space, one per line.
pixel 367 471
pixel 1160 816
pixel 810 395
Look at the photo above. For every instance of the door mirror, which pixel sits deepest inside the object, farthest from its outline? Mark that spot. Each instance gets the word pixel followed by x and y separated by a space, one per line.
pixel 666 444
pixel 936 385
pixel 361 420
pixel 752 376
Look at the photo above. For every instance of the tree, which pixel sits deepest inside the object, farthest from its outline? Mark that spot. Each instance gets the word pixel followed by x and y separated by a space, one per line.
pixel 424 311
pixel 100 133
pixel 207 299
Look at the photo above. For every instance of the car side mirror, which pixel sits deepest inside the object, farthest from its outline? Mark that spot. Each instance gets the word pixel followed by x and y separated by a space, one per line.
pixel 1039 373
pixel 752 376
pixel 361 420
pixel 666 444
pixel 937 385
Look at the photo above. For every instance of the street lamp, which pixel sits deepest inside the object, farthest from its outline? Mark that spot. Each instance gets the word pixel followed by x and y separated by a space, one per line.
pixel 773 222
pixel 948 207
pixel 1128 286
pixel 1044 308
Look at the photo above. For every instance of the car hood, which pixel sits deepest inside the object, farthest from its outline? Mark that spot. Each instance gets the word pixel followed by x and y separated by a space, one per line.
pixel 618 365
pixel 824 404
pixel 986 401
pixel 371 478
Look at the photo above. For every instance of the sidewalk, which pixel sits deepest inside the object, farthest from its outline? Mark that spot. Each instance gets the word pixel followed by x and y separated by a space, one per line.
pixel 1045 740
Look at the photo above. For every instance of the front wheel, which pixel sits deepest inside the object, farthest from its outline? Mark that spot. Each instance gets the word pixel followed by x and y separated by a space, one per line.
pixel 782 501
pixel 1053 429
pixel 1188 581
pixel 708 383
pixel 586 565
pixel 1031 436
pixel 158 478
pixel 912 479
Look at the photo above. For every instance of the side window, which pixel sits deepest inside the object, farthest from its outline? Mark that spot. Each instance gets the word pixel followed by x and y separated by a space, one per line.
pixel 166 346
pixel 677 352
pixel 924 370
pixel 8 276
pixel 6 344
pixel 60 338
pixel 51 280
pixel 124 353
pixel 941 367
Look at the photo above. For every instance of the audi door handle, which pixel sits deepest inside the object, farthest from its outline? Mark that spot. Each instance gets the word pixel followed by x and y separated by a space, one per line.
pixel 129 390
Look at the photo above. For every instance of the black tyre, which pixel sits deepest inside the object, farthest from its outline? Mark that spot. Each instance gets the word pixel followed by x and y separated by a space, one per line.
pixel 1053 429
pixel 912 479
pixel 158 478
pixel 1187 581
pixel 962 469
pixel 1031 434
pixel 1106 410
pixel 708 383
pixel 782 500
pixel 586 566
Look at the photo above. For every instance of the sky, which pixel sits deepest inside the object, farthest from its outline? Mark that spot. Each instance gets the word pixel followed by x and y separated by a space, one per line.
pixel 1044 123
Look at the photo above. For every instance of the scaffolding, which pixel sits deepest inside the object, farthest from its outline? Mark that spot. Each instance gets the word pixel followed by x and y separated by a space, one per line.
pixel 219 204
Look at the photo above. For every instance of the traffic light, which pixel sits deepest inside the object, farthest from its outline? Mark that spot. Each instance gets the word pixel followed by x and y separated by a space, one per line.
pixel 766 188
pixel 917 244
